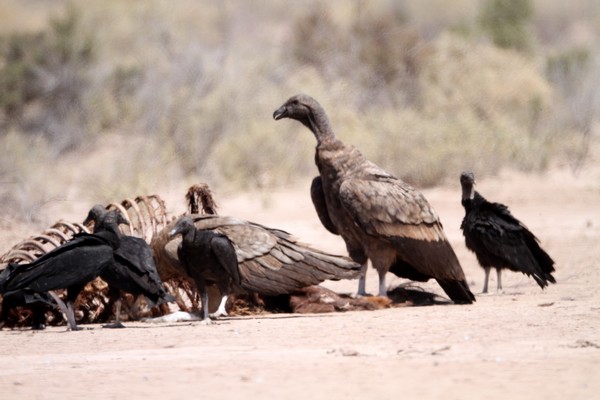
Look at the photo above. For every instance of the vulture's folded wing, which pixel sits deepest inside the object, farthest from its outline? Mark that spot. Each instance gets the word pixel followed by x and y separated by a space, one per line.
pixel 385 206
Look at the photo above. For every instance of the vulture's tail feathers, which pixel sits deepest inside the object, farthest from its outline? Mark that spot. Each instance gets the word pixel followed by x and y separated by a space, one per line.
pixel 458 291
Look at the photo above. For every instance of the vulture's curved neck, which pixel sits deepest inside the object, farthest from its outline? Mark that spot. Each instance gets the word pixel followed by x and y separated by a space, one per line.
pixel 318 123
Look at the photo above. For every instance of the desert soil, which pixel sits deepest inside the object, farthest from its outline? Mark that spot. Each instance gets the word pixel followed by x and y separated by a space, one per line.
pixel 524 343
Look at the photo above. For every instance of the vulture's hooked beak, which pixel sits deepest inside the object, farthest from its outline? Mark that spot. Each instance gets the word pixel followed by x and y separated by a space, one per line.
pixel 467 178
pixel 467 182
pixel 281 112
pixel 121 220
pixel 88 219
pixel 173 232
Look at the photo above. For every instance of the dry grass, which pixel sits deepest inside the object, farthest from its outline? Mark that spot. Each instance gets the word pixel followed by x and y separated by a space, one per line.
pixel 185 92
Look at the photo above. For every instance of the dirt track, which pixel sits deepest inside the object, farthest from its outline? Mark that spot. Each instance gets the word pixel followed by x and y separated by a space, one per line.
pixel 525 343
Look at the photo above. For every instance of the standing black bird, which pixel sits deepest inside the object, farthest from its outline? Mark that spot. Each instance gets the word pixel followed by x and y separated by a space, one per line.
pixel 379 216
pixel 208 257
pixel 133 269
pixel 499 240
pixel 71 266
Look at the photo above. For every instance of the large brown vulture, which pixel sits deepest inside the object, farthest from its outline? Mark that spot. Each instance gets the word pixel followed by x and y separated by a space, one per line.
pixel 270 261
pixel 379 216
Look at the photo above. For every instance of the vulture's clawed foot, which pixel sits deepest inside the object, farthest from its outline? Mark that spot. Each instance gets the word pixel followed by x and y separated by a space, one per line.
pixel 218 314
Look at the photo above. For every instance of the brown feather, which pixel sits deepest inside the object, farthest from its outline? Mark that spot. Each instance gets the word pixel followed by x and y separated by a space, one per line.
pixel 270 261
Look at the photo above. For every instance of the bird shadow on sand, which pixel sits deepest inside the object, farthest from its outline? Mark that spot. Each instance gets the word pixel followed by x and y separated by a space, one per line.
pixel 319 300
pixel 407 295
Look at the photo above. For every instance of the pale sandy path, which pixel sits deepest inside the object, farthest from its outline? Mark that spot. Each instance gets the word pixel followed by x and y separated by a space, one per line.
pixel 524 344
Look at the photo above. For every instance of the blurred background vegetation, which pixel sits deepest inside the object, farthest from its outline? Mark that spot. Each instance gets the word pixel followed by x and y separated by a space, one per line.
pixel 100 100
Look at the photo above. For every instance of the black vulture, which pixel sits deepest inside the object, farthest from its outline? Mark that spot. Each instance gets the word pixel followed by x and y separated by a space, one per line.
pixel 499 240
pixel 207 257
pixel 270 261
pixel 71 266
pixel 133 270
pixel 380 217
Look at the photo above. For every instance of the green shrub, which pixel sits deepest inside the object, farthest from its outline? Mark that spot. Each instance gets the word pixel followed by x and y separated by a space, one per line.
pixel 377 50
pixel 44 77
pixel 574 72
pixel 507 23
pixel 478 107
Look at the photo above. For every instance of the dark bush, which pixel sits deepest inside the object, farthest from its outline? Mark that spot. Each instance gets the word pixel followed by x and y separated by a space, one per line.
pixel 507 22
pixel 43 80
pixel 377 50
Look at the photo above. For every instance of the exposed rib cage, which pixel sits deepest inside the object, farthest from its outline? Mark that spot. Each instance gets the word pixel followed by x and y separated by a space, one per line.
pixel 33 247
pixel 147 215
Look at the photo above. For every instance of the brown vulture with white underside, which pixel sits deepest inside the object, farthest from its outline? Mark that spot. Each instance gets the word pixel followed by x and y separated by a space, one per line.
pixel 499 240
pixel 379 216
pixel 270 261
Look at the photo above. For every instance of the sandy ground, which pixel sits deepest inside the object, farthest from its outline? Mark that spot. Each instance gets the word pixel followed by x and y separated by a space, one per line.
pixel 525 343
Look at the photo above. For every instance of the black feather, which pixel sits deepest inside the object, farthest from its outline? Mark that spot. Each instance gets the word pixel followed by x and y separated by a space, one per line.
pixel 133 269
pixel 499 240
pixel 69 266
